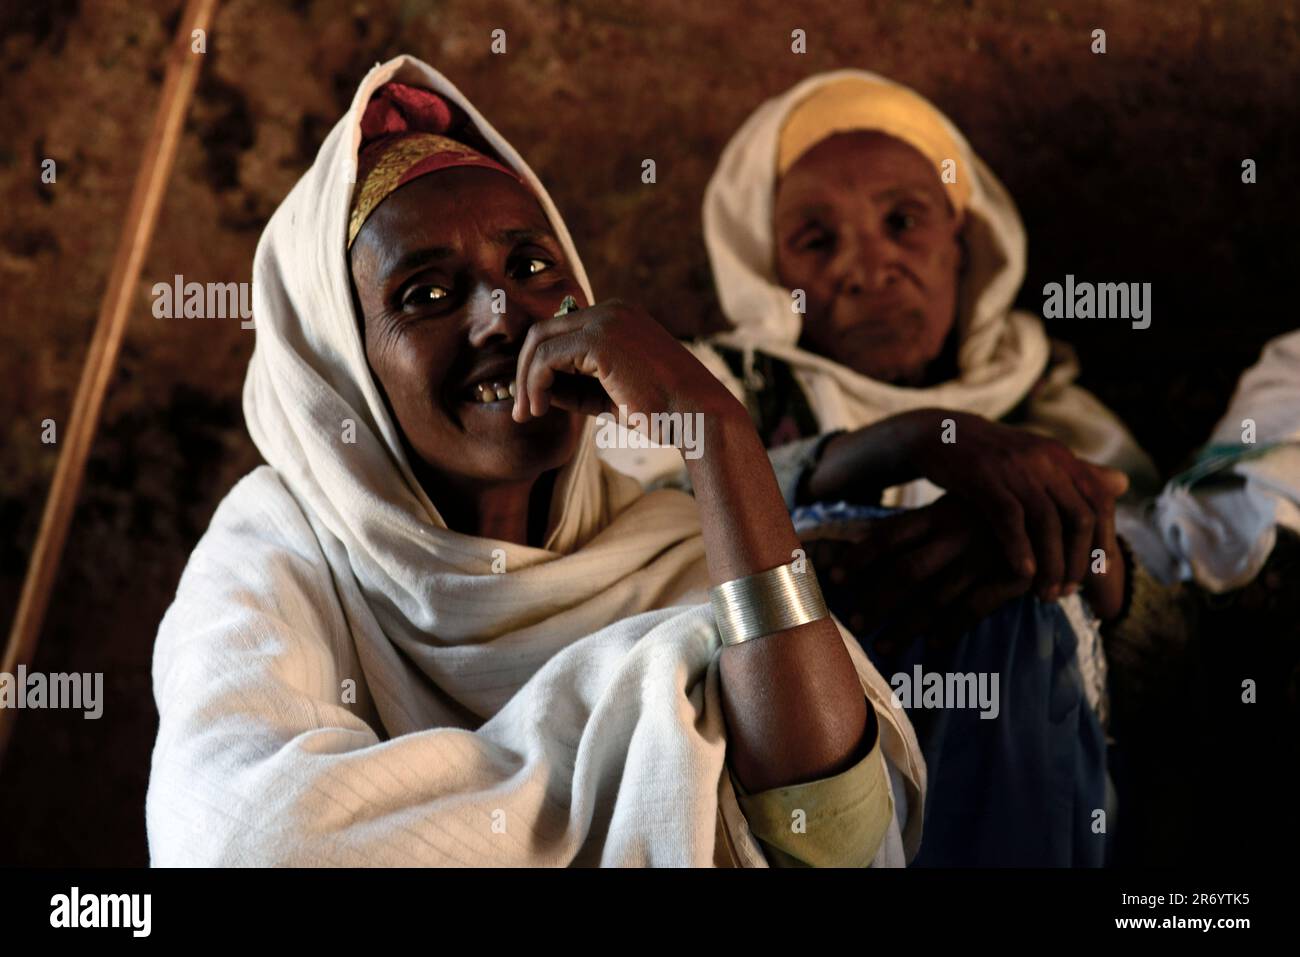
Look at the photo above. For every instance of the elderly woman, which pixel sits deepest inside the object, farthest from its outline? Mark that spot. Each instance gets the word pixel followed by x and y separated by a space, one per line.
pixel 434 628
pixel 868 262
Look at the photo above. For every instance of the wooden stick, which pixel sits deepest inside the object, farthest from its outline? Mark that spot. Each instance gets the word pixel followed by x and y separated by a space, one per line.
pixel 141 217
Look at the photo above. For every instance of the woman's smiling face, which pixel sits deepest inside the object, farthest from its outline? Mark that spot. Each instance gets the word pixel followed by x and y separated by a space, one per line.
pixel 450 271
pixel 863 225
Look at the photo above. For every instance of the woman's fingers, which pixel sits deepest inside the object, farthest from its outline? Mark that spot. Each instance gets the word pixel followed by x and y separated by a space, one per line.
pixel 631 359
pixel 1100 486
pixel 579 393
pixel 979 601
pixel 1007 518
pixel 1105 588
pixel 541 332
pixel 936 553
pixel 884 536
pixel 1045 529
pixel 1113 481
pixel 568 354
pixel 908 575
pixel 932 533
pixel 536 373
pixel 1098 489
pixel 988 597
pixel 1078 523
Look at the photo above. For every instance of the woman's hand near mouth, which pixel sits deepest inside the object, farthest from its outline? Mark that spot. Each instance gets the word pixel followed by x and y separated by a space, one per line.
pixel 609 355
pixel 793 702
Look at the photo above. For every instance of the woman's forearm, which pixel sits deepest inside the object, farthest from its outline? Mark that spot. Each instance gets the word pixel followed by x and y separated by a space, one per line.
pixel 857 466
pixel 794 706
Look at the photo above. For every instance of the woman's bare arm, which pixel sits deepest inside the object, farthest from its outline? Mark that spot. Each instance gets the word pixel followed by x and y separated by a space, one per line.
pixel 793 702
pixel 794 706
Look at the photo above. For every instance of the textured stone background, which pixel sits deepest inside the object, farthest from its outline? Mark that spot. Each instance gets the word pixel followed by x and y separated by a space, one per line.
pixel 1126 167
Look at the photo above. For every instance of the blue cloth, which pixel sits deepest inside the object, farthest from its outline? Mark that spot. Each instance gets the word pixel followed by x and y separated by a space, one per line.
pixel 1018 790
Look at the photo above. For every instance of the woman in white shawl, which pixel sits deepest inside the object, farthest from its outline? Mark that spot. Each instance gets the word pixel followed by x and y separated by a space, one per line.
pixel 434 628
pixel 867 261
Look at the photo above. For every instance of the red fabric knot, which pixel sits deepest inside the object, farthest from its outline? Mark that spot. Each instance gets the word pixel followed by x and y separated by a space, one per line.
pixel 398 108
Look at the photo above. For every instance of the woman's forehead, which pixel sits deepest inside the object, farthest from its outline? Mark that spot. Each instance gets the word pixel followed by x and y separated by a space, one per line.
pixel 444 207
pixel 867 163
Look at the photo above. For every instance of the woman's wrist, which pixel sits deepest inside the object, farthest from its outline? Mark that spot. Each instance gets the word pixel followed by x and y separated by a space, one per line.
pixel 859 465
pixel 746 525
pixel 812 454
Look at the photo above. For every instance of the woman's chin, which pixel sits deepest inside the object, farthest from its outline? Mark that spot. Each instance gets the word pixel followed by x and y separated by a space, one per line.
pixel 873 368
pixel 496 448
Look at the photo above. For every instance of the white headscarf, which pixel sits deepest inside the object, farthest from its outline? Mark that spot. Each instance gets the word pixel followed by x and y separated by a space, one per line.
pixel 1002 354
pixel 562 712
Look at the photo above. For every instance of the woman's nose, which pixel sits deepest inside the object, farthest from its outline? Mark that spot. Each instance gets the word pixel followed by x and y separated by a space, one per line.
pixel 493 316
pixel 865 263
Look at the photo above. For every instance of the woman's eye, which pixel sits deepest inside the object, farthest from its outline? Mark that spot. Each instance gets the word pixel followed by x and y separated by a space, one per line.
pixel 900 221
pixel 815 240
pixel 425 296
pixel 531 266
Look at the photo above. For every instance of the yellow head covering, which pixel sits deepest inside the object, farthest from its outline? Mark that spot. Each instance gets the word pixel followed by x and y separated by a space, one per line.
pixel 856 103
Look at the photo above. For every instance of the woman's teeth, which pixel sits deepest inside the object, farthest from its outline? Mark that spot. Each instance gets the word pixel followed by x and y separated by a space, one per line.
pixel 486 392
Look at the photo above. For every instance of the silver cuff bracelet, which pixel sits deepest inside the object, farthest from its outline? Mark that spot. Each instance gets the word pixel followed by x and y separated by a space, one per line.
pixel 767 602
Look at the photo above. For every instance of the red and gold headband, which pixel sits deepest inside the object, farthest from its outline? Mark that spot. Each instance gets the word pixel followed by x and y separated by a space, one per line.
pixel 402 139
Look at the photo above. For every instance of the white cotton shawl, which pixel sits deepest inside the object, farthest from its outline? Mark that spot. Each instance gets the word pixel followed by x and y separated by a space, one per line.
pixel 343 680
pixel 1002 354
